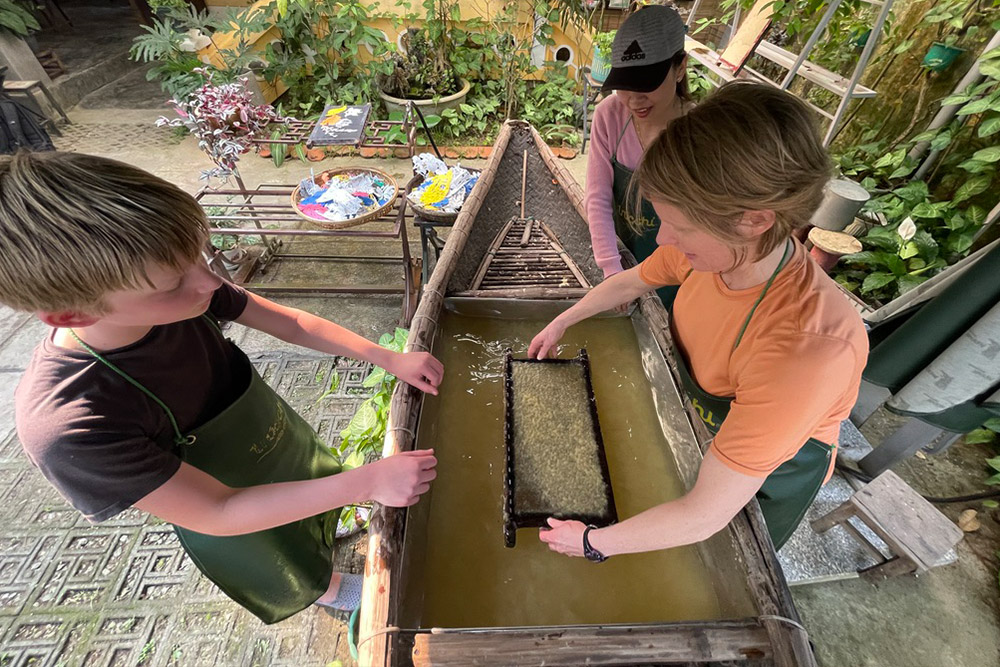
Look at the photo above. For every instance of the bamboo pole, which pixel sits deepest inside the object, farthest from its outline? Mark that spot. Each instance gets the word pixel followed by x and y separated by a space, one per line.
pixel 379 597
pixel 484 266
pixel 524 180
pixel 525 293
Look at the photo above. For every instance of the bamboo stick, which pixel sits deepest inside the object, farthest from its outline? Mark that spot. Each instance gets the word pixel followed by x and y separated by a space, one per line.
pixel 528 226
pixel 524 180
pixel 484 266
pixel 557 246
pixel 379 595
pixel 526 293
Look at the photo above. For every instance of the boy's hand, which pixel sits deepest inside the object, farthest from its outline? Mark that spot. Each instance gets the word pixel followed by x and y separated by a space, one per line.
pixel 544 344
pixel 419 369
pixel 399 480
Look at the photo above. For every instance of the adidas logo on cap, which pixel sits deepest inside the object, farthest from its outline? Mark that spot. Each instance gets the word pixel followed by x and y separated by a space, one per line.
pixel 633 52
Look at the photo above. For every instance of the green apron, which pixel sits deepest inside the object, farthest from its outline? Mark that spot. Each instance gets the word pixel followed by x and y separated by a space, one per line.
pixel 624 210
pixel 788 491
pixel 258 439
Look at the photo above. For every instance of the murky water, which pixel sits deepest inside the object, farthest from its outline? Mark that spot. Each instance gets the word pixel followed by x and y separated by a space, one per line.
pixel 460 574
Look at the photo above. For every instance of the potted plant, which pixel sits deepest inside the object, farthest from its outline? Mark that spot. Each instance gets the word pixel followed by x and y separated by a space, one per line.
pixel 952 24
pixel 16 19
pixel 600 62
pixel 224 119
pixel 422 72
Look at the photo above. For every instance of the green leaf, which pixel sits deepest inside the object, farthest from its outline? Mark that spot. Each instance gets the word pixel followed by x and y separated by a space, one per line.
pixel 941 141
pixel 993 480
pixel 974 166
pixel 976 214
pixel 971 188
pixel 926 243
pixel 866 257
pixel 990 69
pixel 400 338
pixel 989 127
pixel 980 436
pixel 991 504
pixel 925 210
pixel 385 340
pixel 909 281
pixel 364 420
pixel 905 170
pixel 993 424
pixel 374 378
pixel 355 459
pixel 895 264
pixel 978 106
pixel 955 99
pixel 959 242
pixel 912 192
pixel 993 462
pixel 909 250
pixel 991 154
pixel 876 280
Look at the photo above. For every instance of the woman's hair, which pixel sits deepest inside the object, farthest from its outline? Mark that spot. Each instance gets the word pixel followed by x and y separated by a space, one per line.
pixel 683 91
pixel 747 147
pixel 74 228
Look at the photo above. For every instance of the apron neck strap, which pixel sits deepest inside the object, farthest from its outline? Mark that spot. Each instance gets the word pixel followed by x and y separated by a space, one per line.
pixel 179 438
pixel 763 292
pixel 614 155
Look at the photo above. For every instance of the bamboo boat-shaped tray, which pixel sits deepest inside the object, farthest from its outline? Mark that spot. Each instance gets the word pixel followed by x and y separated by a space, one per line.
pixel 555 460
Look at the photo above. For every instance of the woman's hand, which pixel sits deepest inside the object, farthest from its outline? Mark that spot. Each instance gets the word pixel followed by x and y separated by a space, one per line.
pixel 566 537
pixel 544 344
pixel 419 369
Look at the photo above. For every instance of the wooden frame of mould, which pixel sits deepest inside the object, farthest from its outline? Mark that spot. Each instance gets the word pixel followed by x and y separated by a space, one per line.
pixel 774 636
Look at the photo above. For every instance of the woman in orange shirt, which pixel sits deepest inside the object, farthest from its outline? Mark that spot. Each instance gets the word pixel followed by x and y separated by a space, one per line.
pixel 770 352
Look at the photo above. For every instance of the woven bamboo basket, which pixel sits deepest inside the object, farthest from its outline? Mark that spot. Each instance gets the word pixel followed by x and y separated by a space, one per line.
pixel 432 214
pixel 324 176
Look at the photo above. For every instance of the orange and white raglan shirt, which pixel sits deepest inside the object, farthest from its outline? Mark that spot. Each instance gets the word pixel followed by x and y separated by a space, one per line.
pixel 795 373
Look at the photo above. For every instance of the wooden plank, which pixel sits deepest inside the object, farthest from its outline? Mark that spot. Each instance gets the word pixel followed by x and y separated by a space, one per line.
pixel 810 71
pixel 526 293
pixel 748 36
pixel 700 642
pixel 908 523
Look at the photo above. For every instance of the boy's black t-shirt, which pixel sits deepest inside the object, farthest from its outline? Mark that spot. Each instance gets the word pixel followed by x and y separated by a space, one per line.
pixel 102 442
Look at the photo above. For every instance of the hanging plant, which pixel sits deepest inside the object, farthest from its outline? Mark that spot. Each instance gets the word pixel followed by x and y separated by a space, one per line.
pixel 224 119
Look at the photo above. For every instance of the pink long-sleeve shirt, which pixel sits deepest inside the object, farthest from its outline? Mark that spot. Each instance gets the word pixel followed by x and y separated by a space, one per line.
pixel 610 118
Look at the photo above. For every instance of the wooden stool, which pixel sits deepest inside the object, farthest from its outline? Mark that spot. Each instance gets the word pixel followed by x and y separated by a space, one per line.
pixel 25 88
pixel 918 535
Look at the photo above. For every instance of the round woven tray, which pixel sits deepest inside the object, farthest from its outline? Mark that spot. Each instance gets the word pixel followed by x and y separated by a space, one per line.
pixel 324 176
pixel 433 214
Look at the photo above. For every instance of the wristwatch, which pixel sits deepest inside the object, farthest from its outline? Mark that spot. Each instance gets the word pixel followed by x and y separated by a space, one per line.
pixel 589 552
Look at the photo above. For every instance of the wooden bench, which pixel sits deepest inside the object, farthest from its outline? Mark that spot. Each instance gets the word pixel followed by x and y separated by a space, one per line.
pixel 917 534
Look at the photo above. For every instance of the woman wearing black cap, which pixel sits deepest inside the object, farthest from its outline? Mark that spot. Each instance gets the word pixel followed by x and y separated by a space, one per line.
pixel 649 75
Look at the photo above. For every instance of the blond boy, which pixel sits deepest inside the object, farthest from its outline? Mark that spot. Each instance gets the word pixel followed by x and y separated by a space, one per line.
pixel 135 399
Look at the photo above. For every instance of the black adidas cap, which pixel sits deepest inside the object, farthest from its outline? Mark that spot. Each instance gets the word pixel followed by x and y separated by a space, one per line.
pixel 643 47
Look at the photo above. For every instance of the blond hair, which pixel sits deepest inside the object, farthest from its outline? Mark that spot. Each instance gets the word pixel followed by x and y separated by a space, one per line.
pixel 747 147
pixel 74 228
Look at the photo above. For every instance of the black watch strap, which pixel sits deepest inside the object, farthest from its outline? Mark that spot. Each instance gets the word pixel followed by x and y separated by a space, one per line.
pixel 589 552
